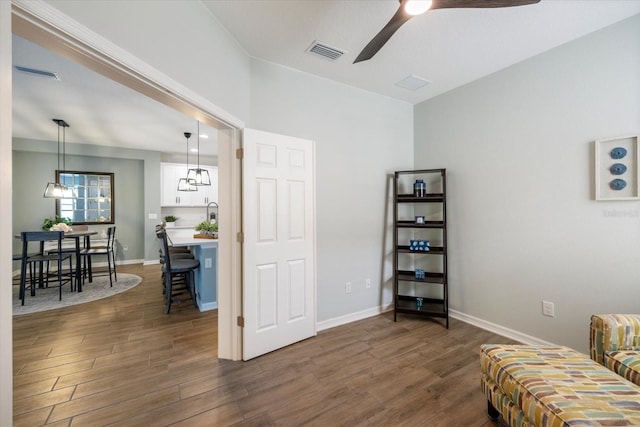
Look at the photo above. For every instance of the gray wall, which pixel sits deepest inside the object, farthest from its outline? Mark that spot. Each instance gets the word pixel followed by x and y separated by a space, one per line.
pixel 137 189
pixel 360 138
pixel 518 147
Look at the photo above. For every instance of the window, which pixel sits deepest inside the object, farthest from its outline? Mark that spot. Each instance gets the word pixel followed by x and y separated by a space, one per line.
pixel 94 197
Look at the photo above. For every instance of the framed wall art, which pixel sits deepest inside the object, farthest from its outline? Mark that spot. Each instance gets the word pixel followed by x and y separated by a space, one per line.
pixel 616 168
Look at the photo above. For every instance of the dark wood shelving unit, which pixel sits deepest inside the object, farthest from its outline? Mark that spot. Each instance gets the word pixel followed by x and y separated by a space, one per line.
pixel 427 296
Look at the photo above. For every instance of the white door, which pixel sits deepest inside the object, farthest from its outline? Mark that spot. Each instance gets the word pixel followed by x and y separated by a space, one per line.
pixel 279 274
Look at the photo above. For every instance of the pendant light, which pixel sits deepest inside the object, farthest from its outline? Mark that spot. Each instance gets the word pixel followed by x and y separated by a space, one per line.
pixel 200 176
pixel 57 190
pixel 187 184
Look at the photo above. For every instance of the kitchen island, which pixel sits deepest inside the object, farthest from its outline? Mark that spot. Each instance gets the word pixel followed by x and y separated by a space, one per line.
pixel 206 276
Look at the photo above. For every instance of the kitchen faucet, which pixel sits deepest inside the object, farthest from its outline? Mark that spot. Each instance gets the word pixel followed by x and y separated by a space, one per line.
pixel 214 214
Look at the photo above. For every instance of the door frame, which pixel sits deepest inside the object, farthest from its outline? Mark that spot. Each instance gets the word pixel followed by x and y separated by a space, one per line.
pixel 48 27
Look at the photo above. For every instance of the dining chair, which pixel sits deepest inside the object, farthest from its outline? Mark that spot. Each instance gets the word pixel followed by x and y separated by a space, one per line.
pixel 69 247
pixel 16 278
pixel 39 258
pixel 108 250
pixel 178 274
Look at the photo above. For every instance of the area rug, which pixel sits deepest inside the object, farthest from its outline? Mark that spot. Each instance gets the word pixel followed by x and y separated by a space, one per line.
pixel 47 299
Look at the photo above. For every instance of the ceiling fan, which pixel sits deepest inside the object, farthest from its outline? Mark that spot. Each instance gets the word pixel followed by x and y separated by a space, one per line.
pixel 410 8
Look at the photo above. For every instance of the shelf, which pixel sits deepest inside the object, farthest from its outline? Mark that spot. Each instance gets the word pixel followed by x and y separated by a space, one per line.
pixel 433 250
pixel 435 280
pixel 430 307
pixel 428 198
pixel 410 276
pixel 427 224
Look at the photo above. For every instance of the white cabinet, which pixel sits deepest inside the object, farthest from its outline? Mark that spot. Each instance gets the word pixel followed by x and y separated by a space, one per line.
pixel 170 196
pixel 207 193
pixel 169 175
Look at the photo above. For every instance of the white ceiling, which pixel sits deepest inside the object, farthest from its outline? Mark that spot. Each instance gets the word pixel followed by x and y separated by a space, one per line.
pixel 449 47
pixel 98 110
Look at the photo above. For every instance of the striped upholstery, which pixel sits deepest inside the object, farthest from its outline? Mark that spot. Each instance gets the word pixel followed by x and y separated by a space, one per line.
pixel 624 363
pixel 614 341
pixel 555 386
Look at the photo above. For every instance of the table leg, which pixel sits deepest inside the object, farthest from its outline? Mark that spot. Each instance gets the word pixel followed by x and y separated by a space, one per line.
pixel 78 265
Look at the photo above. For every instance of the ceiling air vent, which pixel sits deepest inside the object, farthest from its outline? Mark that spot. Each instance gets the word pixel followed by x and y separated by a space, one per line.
pixel 35 72
pixel 322 49
pixel 412 82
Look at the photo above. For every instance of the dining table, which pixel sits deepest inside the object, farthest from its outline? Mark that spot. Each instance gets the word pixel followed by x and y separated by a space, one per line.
pixel 76 235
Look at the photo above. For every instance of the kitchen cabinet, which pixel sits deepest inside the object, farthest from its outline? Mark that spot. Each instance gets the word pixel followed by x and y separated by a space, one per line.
pixel 170 173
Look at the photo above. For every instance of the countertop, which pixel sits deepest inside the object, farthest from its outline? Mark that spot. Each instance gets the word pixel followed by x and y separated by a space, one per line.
pixel 184 237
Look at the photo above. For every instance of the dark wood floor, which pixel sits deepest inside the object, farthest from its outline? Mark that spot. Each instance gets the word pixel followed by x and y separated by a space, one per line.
pixel 122 362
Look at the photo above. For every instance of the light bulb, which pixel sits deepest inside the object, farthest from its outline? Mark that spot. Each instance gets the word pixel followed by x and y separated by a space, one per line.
pixel 417 7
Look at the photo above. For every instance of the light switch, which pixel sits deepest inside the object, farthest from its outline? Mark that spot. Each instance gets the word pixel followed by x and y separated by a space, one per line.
pixel 153 216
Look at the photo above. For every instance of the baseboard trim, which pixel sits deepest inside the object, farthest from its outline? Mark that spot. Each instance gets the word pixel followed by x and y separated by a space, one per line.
pixel 352 317
pixel 151 262
pixel 207 306
pixel 498 329
pixel 472 320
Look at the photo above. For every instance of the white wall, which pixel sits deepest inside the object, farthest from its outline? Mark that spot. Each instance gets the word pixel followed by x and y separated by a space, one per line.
pixel 518 147
pixel 6 238
pixel 360 138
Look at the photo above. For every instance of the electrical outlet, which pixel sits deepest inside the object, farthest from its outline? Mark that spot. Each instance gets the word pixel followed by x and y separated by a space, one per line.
pixel 347 288
pixel 125 248
pixel 207 263
pixel 367 284
pixel 548 309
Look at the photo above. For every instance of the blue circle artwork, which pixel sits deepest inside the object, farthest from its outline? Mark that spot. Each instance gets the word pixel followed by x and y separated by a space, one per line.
pixel 618 169
pixel 618 153
pixel 618 184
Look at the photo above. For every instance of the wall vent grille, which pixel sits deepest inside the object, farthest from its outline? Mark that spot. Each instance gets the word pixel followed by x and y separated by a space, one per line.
pixel 324 50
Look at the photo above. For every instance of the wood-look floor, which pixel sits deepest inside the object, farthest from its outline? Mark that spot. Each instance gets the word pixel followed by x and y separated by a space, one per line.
pixel 122 362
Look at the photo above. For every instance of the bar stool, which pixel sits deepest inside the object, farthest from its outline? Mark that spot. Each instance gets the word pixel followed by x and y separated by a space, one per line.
pixel 178 274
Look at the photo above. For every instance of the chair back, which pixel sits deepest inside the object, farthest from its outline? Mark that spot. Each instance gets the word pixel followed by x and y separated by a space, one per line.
pixel 42 237
pixel 111 237
pixel 164 249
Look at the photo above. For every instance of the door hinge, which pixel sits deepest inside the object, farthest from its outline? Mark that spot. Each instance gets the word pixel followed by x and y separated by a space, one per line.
pixel 240 237
pixel 239 153
pixel 241 321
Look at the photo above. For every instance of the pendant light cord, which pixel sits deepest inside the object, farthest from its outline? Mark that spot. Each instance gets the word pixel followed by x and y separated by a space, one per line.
pixel 58 146
pixel 64 149
pixel 185 134
pixel 198 144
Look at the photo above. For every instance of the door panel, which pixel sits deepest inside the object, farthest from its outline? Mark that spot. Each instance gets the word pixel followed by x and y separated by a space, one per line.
pixel 279 246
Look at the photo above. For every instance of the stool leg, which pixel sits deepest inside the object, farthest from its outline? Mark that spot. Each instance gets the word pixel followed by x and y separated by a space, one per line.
pixel 192 288
pixel 167 294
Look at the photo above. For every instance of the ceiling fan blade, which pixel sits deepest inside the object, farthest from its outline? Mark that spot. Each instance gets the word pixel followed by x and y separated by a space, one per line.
pixel 399 18
pixel 450 4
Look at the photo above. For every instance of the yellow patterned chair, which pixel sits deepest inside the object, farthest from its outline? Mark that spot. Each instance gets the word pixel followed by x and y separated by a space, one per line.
pixel 614 342
pixel 547 386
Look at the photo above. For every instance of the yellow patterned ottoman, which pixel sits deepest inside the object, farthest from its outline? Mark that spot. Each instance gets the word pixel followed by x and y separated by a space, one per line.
pixel 614 341
pixel 547 386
